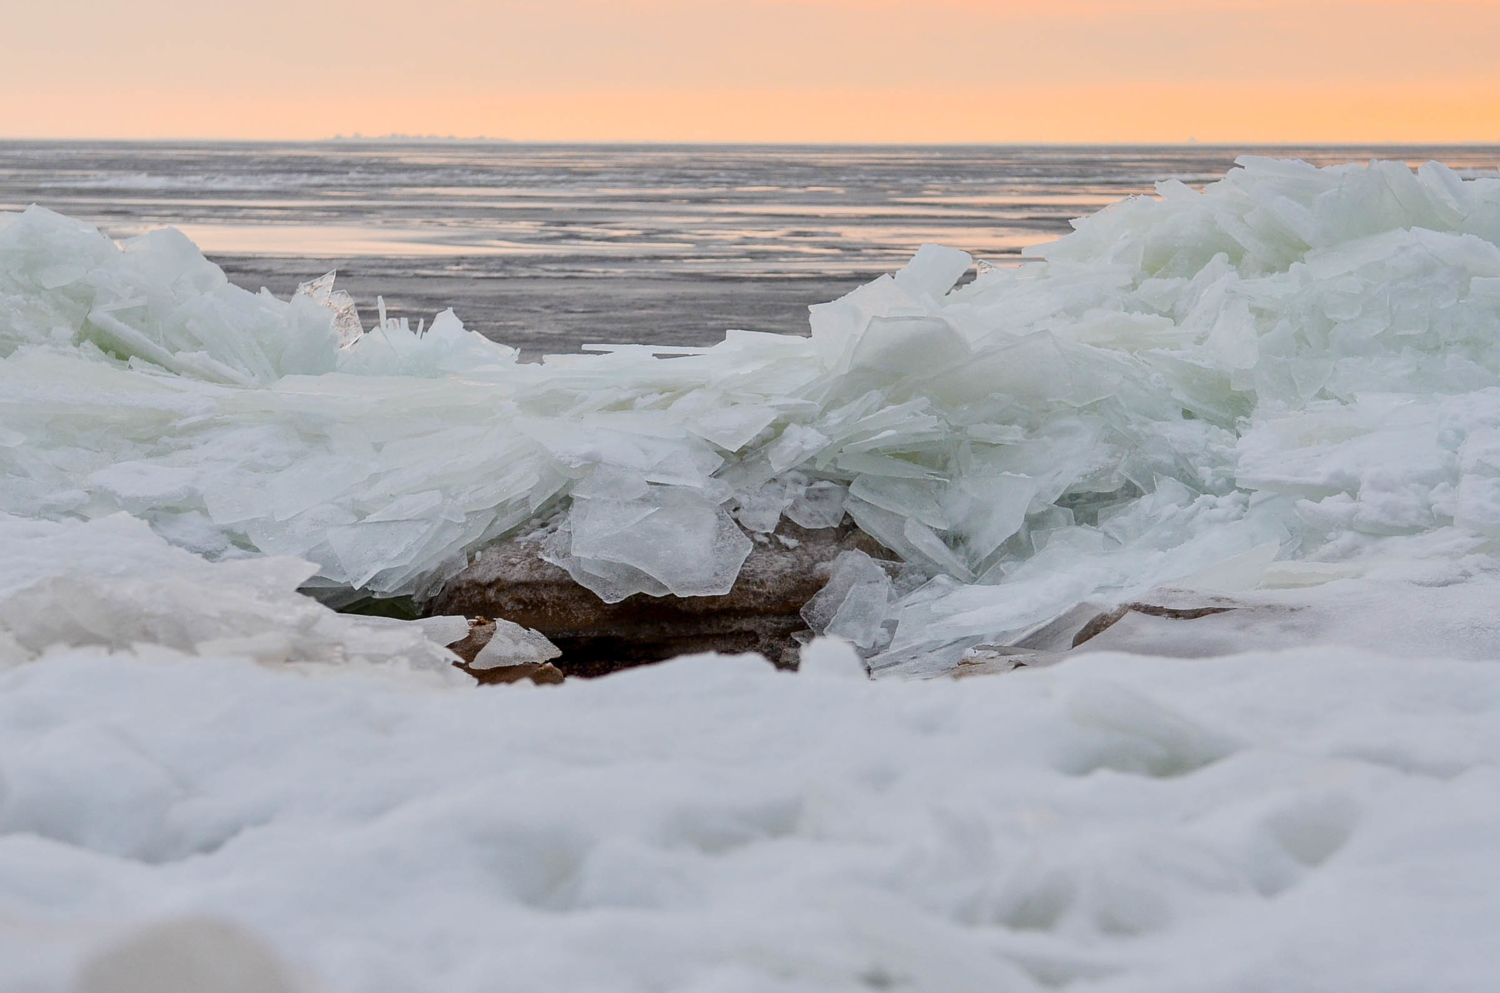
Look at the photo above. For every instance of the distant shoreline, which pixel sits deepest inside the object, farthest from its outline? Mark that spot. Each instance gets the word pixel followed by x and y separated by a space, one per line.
pixel 1383 147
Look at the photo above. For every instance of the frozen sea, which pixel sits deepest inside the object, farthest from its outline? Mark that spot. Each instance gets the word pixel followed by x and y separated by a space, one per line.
pixel 547 247
pixel 1260 415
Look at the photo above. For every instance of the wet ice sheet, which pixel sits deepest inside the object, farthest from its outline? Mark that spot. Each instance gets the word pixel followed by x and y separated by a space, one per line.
pixel 1294 367
pixel 722 237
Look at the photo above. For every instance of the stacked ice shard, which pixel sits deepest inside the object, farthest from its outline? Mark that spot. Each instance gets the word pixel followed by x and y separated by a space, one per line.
pixel 1286 376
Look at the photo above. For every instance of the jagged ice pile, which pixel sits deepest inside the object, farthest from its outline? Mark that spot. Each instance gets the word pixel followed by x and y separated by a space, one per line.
pixel 1286 378
pixel 1288 381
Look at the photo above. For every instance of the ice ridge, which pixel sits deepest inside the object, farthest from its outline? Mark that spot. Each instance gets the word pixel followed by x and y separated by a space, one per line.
pixel 1291 375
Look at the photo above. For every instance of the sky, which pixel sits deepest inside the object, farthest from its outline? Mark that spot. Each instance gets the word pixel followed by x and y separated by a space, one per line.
pixel 1235 71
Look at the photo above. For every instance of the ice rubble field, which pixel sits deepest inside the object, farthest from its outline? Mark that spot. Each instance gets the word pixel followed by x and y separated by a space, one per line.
pixel 1287 385
pixel 1286 378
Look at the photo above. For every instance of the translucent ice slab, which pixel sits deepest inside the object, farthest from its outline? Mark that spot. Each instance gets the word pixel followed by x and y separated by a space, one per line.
pixel 1299 360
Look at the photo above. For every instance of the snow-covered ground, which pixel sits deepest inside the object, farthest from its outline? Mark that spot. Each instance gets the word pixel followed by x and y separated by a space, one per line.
pixel 1284 390
pixel 1315 819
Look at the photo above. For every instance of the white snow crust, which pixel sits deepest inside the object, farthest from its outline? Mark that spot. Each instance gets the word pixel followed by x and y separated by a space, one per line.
pixel 1302 821
pixel 1285 377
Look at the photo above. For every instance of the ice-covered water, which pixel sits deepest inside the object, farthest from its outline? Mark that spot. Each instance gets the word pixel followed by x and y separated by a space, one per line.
pixel 547 247
pixel 1287 384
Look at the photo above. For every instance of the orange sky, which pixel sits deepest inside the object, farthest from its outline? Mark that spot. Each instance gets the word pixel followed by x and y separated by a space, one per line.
pixel 758 70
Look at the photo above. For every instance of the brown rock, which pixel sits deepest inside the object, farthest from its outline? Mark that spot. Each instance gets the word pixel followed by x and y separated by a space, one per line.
pixel 546 674
pixel 760 614
pixel 543 674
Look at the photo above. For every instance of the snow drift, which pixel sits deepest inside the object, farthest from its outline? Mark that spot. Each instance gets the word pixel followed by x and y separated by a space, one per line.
pixel 1312 820
pixel 1290 376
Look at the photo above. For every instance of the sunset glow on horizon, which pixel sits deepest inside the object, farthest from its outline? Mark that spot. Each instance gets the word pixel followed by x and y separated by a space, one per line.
pixel 1077 71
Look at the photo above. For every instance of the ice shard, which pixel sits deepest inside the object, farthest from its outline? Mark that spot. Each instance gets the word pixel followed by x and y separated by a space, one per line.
pixel 1296 355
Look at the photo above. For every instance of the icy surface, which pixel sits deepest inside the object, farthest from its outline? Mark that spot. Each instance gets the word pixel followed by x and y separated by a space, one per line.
pixel 512 644
pixel 1450 614
pixel 1290 375
pixel 110 583
pixel 1285 389
pixel 1312 820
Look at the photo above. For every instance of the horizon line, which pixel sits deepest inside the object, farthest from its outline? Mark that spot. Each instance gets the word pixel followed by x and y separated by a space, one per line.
pixel 397 139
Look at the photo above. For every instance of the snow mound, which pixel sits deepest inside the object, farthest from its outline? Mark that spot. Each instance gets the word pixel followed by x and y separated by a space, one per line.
pixel 112 584
pixel 191 955
pixel 1291 374
pixel 1313 820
